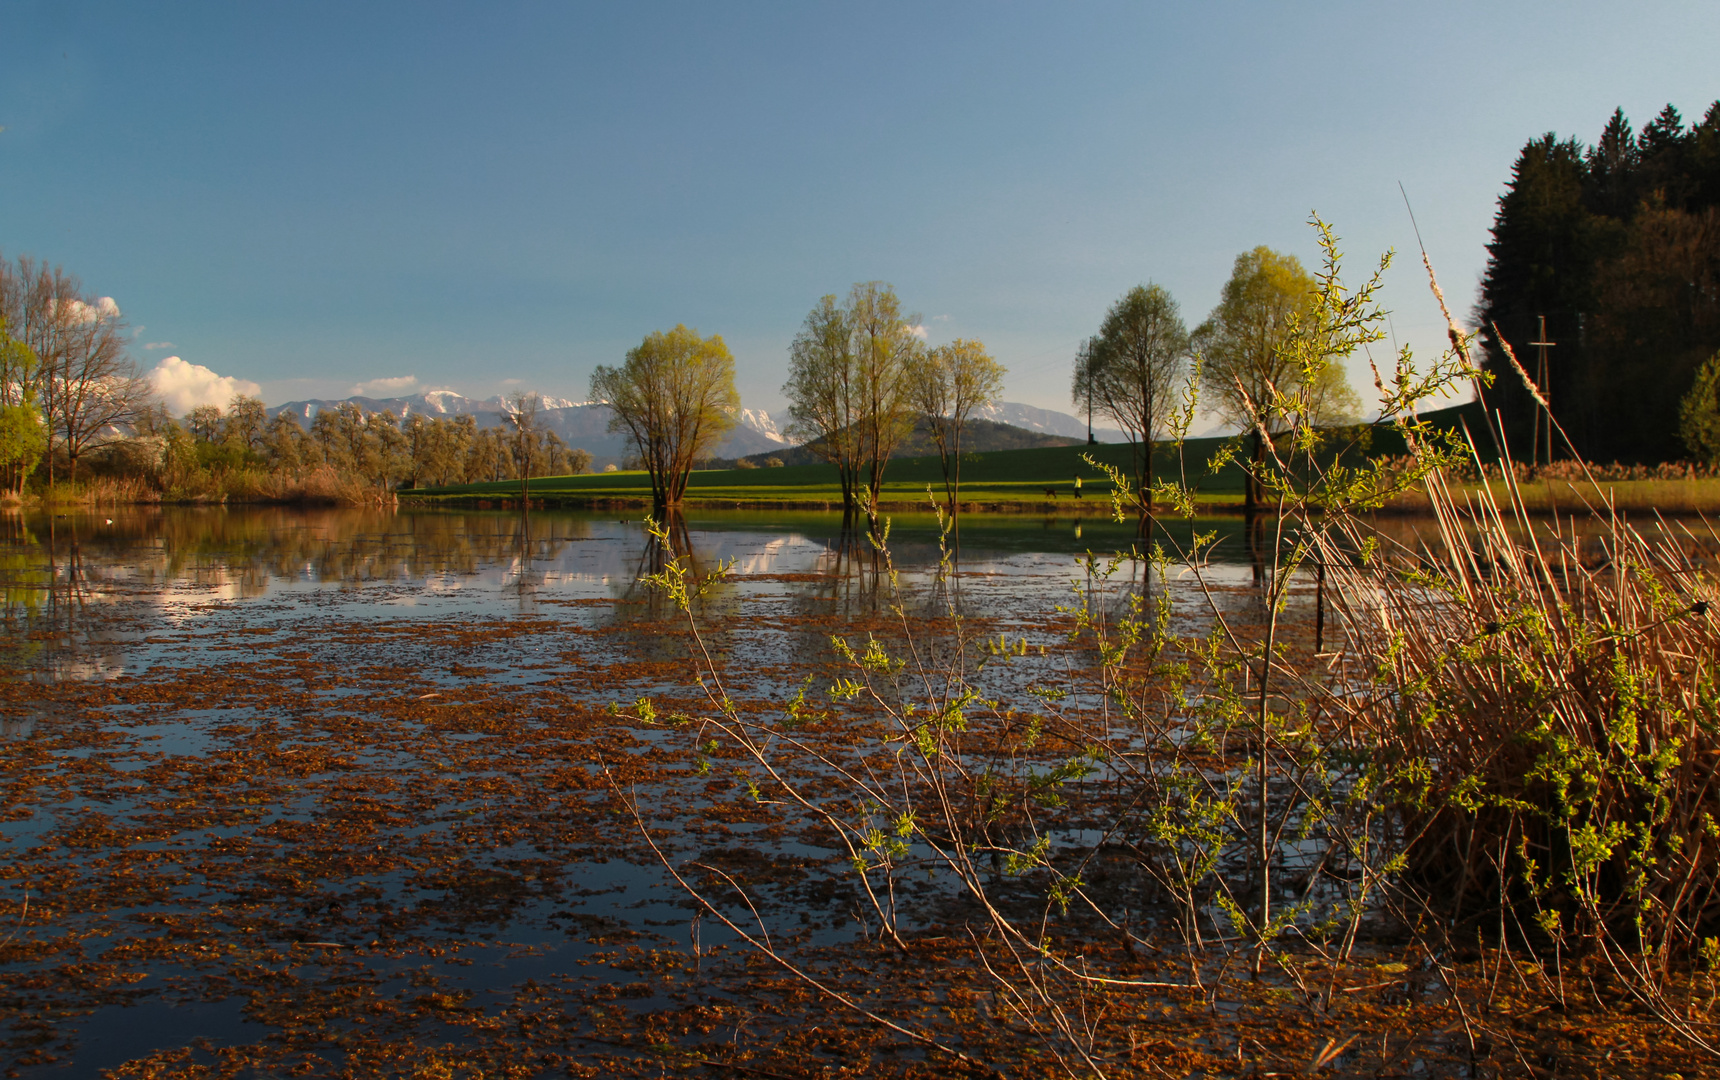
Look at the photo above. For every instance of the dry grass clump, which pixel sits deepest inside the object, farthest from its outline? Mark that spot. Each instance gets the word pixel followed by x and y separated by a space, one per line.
pixel 324 484
pixel 1548 698
pixel 103 491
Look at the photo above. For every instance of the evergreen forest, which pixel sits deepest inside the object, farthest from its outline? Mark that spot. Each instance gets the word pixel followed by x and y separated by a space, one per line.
pixel 1617 246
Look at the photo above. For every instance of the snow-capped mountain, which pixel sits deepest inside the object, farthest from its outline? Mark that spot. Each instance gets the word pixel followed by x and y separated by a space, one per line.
pixel 503 404
pixel 760 421
pixel 1015 414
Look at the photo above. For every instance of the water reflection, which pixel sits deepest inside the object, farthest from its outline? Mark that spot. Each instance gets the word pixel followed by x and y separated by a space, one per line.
pixel 178 565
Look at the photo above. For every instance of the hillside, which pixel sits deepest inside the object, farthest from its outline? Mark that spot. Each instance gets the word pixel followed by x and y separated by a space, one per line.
pixel 1034 477
pixel 980 436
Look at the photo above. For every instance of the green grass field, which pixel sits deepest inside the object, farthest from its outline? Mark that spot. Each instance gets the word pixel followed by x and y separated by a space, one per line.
pixel 1021 479
pixel 1004 479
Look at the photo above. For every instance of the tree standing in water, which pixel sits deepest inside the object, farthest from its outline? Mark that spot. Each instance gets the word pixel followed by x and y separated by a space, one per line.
pixel 1247 372
pixel 674 398
pixel 848 388
pixel 1133 371
pixel 948 385
pixel 823 395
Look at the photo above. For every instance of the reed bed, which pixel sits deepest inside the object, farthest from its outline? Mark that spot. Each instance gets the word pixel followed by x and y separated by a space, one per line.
pixel 1546 696
pixel 321 486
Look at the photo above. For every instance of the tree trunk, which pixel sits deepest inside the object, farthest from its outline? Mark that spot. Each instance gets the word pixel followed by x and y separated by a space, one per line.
pixel 1251 486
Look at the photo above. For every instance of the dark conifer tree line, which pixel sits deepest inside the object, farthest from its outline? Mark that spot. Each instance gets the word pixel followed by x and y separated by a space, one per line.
pixel 1617 245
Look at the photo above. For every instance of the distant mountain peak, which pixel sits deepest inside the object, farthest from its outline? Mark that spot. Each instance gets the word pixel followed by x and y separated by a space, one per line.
pixel 505 404
pixel 1050 421
pixel 760 421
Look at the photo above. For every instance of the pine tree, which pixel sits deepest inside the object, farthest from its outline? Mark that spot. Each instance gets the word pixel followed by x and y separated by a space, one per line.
pixel 1618 246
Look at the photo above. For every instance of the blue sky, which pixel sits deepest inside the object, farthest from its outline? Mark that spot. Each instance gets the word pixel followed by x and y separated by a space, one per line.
pixel 487 197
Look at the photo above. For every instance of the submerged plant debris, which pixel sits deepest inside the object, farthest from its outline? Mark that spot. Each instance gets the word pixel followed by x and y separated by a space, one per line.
pixel 347 796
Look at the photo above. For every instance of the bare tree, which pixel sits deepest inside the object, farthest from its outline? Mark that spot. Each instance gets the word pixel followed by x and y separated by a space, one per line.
pixel 1133 372
pixel 382 455
pixel 847 388
pixel 822 391
pixel 884 346
pixel 947 385
pixel 286 444
pixel 523 442
pixel 204 423
pixel 86 384
pixel 244 423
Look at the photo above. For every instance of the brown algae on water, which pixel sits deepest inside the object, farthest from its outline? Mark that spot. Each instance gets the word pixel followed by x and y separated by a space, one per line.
pixel 348 797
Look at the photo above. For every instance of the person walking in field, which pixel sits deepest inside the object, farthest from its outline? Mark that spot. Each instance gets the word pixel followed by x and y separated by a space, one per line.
pixel 1077 487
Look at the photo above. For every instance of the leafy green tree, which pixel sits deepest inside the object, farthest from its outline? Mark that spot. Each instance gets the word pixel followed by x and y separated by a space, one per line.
pixel 23 434
pixel 674 398
pixel 947 385
pixel 1699 414
pixel 1134 370
pixel 23 438
pixel 1248 374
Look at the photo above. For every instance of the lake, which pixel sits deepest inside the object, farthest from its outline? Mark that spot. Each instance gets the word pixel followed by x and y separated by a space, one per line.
pixel 339 790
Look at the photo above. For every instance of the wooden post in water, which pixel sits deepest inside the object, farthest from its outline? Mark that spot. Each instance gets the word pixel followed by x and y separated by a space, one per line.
pixel 1319 605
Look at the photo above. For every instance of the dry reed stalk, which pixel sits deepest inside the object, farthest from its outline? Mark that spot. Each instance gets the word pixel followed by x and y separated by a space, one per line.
pixel 1550 713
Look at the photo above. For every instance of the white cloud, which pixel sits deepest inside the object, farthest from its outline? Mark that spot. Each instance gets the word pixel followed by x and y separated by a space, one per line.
pixel 158 344
pixel 184 386
pixel 80 312
pixel 389 387
pixel 918 331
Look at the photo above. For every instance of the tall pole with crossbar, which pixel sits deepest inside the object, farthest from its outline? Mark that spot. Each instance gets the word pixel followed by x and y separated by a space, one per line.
pixel 1542 383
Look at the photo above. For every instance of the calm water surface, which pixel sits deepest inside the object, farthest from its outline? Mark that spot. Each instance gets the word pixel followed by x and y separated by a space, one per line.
pixel 169 673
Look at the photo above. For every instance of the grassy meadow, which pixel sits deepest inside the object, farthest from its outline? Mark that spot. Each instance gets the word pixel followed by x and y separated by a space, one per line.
pixel 999 479
pixel 1041 478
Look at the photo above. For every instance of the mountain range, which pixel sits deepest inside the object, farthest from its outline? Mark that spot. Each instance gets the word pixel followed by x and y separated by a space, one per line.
pixel 585 424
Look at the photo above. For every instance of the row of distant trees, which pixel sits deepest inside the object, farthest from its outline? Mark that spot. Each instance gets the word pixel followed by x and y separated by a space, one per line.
pixel 68 385
pixel 1144 364
pixel 387 451
pixel 860 377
